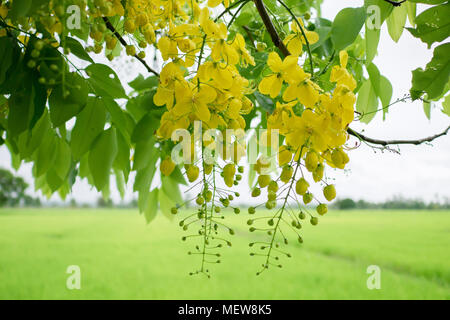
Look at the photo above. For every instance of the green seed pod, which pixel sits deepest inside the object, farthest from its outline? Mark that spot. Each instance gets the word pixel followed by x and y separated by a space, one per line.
pixel 256 192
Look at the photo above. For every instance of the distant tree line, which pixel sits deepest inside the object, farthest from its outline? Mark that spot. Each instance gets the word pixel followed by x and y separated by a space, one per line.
pixel 12 191
pixel 394 203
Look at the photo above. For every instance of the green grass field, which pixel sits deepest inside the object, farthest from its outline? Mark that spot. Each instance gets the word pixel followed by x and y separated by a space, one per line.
pixel 122 258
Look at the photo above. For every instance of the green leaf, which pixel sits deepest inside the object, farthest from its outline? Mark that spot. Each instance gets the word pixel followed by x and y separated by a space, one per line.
pixel 384 7
pixel 6 57
pixel 119 118
pixel 411 9
pixel 372 40
pixel 374 76
pixel 105 81
pixel 120 182
pixel 396 22
pixel 67 100
pixel 427 109
pixel 367 102
pixel 385 94
pixel 170 187
pixel 151 207
pixel 177 176
pixel 28 143
pixel 346 26
pixel 166 203
pixel 63 159
pixel 428 1
pixel 77 49
pixel 21 110
pixel 434 78
pixel 140 83
pixel 446 105
pixel 45 155
pixel 101 157
pixel 265 102
pixel 433 24
pixel 144 177
pixel 122 161
pixel 143 153
pixel 90 123
pixel 145 128
pixel 19 9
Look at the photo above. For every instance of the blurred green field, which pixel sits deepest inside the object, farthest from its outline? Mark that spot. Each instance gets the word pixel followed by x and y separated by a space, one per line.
pixel 122 258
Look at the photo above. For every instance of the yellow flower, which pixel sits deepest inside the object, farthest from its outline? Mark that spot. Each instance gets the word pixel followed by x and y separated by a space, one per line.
pixel 340 74
pixel 170 74
pixel 302 89
pixel 282 71
pixel 239 45
pixel 296 40
pixel 307 129
pixel 170 123
pixel 168 48
pixel 167 166
pixel 221 49
pixel 221 75
pixel 193 100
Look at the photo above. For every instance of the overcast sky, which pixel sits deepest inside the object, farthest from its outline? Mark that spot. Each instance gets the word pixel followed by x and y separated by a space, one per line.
pixel 418 172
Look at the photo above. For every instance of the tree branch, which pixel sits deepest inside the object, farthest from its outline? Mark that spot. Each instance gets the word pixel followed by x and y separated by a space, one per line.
pixel 124 43
pixel 392 142
pixel 270 27
pixel 395 3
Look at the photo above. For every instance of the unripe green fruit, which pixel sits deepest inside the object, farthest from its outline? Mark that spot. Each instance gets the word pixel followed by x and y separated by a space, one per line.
pixel 217 209
pixel 302 186
pixel 307 16
pixel 41 80
pixel 302 215
pixel 322 209
pixel 271 204
pixel 329 192
pixel 318 172
pixel 39 45
pixel 286 174
pixel 307 198
pixel 200 201
pixel 256 192
pixel 174 210
pixel 300 239
pixel 31 64
pixel 237 210
pixel 241 169
pixel 272 196
pixel 311 161
pixel 264 180
pixel 270 222
pixel 314 221
pixel 273 186
pixel 35 53
pixel 251 210
pixel 250 222
pixel 208 196
pixel 261 46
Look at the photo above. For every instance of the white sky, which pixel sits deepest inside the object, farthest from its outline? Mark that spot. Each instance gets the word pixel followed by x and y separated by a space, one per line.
pixel 418 172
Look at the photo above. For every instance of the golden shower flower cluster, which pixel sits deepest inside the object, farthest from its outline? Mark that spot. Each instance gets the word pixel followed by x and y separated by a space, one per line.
pixel 315 136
